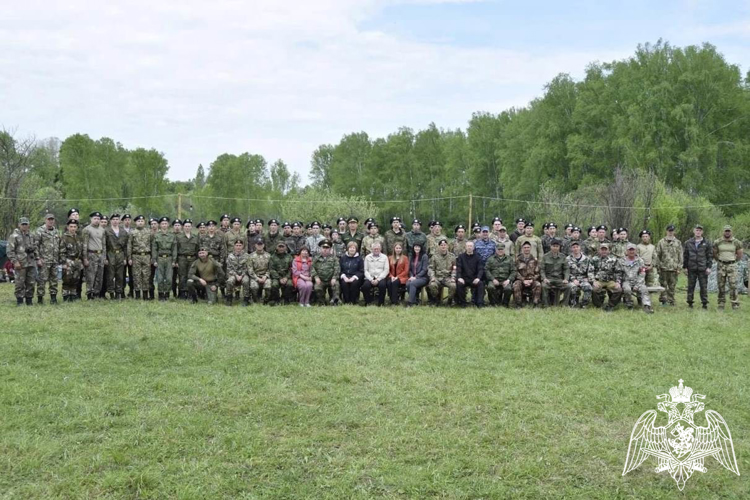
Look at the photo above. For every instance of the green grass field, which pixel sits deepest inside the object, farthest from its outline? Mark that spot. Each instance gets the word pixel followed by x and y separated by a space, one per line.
pixel 134 400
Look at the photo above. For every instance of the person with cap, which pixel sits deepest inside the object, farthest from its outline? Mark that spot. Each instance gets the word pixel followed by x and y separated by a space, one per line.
pixel 372 238
pixel 237 279
pixel 314 239
pixel 95 255
pixel 286 231
pixel 352 233
pixel 205 275
pixel 500 273
pixel 177 230
pixel 273 236
pixel 484 246
pixel 23 252
pixel 727 251
pixel 697 261
pixel 224 223
pixel 368 221
pixel 75 215
pixel 419 266
pixel 415 237
pixel 590 246
pixel 325 274
pixel 297 240
pixel 213 241
pixel 139 256
pixel 607 279
pixel 575 235
pixel 470 273
pixel 549 235
pixel 668 260
pixel 569 231
pixel 326 230
pixel 187 252
pixel 164 258
pixel 125 223
pixel 341 225
pixel 251 234
pixel 555 275
pixel 70 258
pixel 646 251
pixel 497 223
pixel 395 235
pixel 282 285
pixel 117 257
pixel 518 232
pixel 618 247
pixel 436 231
pixel 234 234
pixel 537 248
pixel 457 245
pixel 202 232
pixel 352 268
pixel 527 275
pixel 476 231
pixel 398 272
pixel 441 273
pixel 580 276
pixel 48 242
pixel 376 273
pixel 153 223
pixel 302 276
pixel 259 270
pixel 632 272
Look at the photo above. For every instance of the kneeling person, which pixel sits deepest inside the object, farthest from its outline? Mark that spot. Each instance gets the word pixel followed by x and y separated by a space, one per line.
pixel 205 274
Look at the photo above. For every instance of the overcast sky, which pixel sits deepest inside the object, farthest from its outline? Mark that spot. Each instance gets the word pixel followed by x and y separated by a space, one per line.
pixel 195 79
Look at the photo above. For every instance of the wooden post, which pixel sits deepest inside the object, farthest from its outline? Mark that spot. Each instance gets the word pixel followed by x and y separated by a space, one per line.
pixel 471 202
pixel 179 206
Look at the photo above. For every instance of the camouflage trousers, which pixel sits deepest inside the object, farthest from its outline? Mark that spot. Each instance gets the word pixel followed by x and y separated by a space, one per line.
pixel 116 272
pixel 554 287
pixel 652 277
pixel 499 295
pixel 642 290
pixel 71 277
pixel 164 273
pixel 436 286
pixel 257 288
pixel 286 290
pixel 46 274
pixel 324 286
pixel 183 268
pixel 701 278
pixel 94 273
pixel 519 287
pixel 727 275
pixel 25 282
pixel 668 280
pixel 234 285
pixel 575 290
pixel 603 288
pixel 141 272
pixel 210 289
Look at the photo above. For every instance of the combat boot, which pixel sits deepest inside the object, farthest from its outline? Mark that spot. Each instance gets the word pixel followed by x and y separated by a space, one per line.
pixel 194 298
pixel 735 307
pixel 246 302
pixel 29 301
pixel 112 296
pixel 53 299
pixel 648 310
pixel 228 300
pixel 19 301
pixel 137 295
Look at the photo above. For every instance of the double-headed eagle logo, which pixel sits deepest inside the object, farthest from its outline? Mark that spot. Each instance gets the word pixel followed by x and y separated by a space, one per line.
pixel 681 446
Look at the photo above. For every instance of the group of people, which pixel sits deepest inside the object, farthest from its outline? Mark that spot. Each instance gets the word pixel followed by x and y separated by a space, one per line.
pixel 287 262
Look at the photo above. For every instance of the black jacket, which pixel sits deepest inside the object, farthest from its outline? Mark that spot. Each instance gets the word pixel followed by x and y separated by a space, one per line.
pixel 697 259
pixel 352 266
pixel 469 267
pixel 420 269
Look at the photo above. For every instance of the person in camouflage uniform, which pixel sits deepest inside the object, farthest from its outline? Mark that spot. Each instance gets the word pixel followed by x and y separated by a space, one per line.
pixel 500 274
pixel 415 237
pixel 549 235
pixel 273 237
pixel 537 250
pixel 617 248
pixel 48 242
pixel 164 257
pixel 325 274
pixel 575 235
pixel 237 277
pixel 668 260
pixel 372 238
pixel 94 256
pixel 441 273
pixel 234 234
pixel 632 271
pixel 590 247
pixel 527 275
pixel 436 229
pixel 213 240
pixel 394 235
pixel 154 225
pixel 727 252
pixel 337 244
pixel 70 257
pixel 555 274
pixel 259 270
pixel 581 275
pixel 205 275
pixel 281 275
pixel 606 278
pixel 297 240
pixel 187 252
pixel 647 251
pixel 23 252
pixel 139 256
pixel 117 257
pixel 457 245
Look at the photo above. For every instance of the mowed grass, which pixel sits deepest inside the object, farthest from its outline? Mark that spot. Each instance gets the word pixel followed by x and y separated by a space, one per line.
pixel 134 400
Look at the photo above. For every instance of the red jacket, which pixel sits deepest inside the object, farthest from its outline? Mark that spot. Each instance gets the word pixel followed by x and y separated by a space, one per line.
pixel 399 269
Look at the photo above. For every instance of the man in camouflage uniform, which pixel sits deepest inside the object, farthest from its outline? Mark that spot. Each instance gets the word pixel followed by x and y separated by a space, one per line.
pixel 668 260
pixel 281 274
pixel 575 235
pixel 259 270
pixel 606 278
pixel 581 275
pixel 23 252
pixel 394 235
pixel 273 237
pixel 187 252
pixel 95 256
pixel 139 256
pixel 372 238
pixel 224 221
pixel 314 239
pixel 177 230
pixel 647 251
pixel 590 247
pixel 436 229
pixel 555 274
pixel 205 275
pixel 297 240
pixel 415 237
pixel 351 234
pixel 537 249
pixel 126 220
pixel 441 273
pixel 497 223
pixel 527 275
pixel 457 246
pixel 234 234
pixel 164 257
pixel 217 249
pixel 550 235
pixel 237 273
pixel 727 252
pixel 117 257
pixel 632 271
pixel 70 257
pixel 48 242
pixel 325 275
pixel 620 244
pixel 154 225
pixel 500 273
pixel 520 226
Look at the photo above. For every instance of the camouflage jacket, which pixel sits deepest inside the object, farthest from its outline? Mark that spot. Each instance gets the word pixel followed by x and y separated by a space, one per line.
pixel 567 243
pixel 606 269
pixel 413 238
pixel 442 266
pixel 580 269
pixel 272 240
pixel 187 247
pixel 237 265
pixel 527 269
pixel 536 246
pixel 457 247
pixel 164 244
pixel 48 242
pixel 368 241
pixel 230 238
pixel 22 247
pixel 325 267
pixel 555 267
pixel 215 246
pixel 139 242
pixel 391 238
pixel 258 265
pixel 71 248
pixel 668 256
pixel 590 247
pixel 295 243
pixel 312 242
pixel 117 244
pixel 618 248
pixel 632 272
pixel 485 249
pixel 281 265
pixel 500 268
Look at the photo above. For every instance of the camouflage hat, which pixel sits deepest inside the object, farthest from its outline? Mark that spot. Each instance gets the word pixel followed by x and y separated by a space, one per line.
pixel 727 228
pixel 23 220
pixel 698 226
pixel 49 216
pixel 502 228
pixel 575 243
pixel 670 227
pixel 555 241
pixel 630 246
pixel 604 245
pixel 526 243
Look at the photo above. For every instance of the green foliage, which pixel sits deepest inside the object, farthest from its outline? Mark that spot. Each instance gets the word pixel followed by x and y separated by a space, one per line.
pixel 317 204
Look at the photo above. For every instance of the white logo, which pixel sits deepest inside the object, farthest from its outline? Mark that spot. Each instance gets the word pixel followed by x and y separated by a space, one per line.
pixel 681 446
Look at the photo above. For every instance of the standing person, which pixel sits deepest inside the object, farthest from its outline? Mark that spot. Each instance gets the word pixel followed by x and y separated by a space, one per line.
pixel 697 262
pixel 352 233
pixel 668 260
pixel 273 237
pixel 154 225
pixel 325 274
pixel 237 275
pixel 646 251
pixel 590 247
pixel 205 274
pixel 415 237
pixel 48 241
pixel 24 254
pixel 470 273
pixel 95 255
pixel 71 259
pixel 234 234
pixel 117 257
pixel 398 272
pixel 74 214
pixel 314 239
pixel 297 240
pixel 394 235
pixel 187 252
pixel 520 226
pixel 282 287
pixel 301 276
pixel 376 273
pixel 419 266
pixel 484 246
pixel 458 245
pixel 164 257
pixel 341 225
pixel 441 273
pixel 104 224
pixel 139 257
pixel 126 221
pixel 436 232
pixel 537 249
pixel 177 230
pixel 352 274
pixel 224 224
pixel 372 238
pixel 727 251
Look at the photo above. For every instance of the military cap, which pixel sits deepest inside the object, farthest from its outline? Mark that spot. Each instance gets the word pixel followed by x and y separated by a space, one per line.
pixel 308 226
pixel 460 226
pixel 476 229
pixel 644 231
pixel 441 239
pixel 630 246
pixel 340 219
pixel 315 223
pixel 211 223
pixel 104 217
pixel 72 211
pixel 698 226
pixel 395 219
pixel 373 224
pixel 187 221
pixel 551 225
pixel 500 247
pixel 325 243
pixel 334 230
pixel 369 220
pixel 497 219
pixel 529 224
pixel 485 229
pixel 727 228
pixel 519 220
pixel 71 221
pixel 259 221
pixel 576 228
pixel 296 224
pixel 280 244
pixel 95 214
pixel 125 216
pixel 603 245
pixel 176 222
pixel 201 224
pixel 555 241
pixel 251 221
pixel 235 219
pixel 416 221
pixel 622 230
pixel 502 228
pixel 273 221
pixel 224 216
pixel 203 249
pixel 49 216
pixel 476 225
pixel 139 217
pixel 258 240
pixel 590 228
pixel 286 224
pixel 352 219
pixel 569 226
pixel 326 226
pixel 437 223
pixel 151 219
pixel 23 220
pixel 601 227
pixel 575 243
pixel 431 223
pixel 163 219
pixel 525 243
pixel 114 216
pixel 545 225
pixel 670 227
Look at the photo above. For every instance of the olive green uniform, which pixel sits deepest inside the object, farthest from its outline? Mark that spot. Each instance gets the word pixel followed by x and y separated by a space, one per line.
pixel 281 268
pixel 95 252
pixel 725 254
pixel 442 274
pixel 187 253
pixel 164 255
pixel 22 248
pixel 554 269
pixel 668 259
pixel 117 256
pixel 500 268
pixel 327 270
pixel 208 270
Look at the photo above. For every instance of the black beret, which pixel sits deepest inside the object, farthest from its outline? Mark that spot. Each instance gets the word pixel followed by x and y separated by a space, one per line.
pixel 95 214
pixel 177 222
pixel 460 226
pixel 520 220
pixel 139 217
pixel 235 219
pixel 416 221
pixel 163 219
pixel 187 221
pixel 224 216
pixel 602 227
pixel 72 211
pixel 273 221
pixel 497 219
pixel 72 221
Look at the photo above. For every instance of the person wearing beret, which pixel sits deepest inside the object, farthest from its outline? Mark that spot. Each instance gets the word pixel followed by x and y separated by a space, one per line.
pixel 187 252
pixel 94 256
pixel 436 232
pixel 297 240
pixel 341 225
pixel 71 260
pixel 457 245
pixel 373 237
pixel 528 275
pixel 646 251
pixel 139 256
pixel 575 235
pixel 549 235
pixel 497 223
pixel 620 244
pixel 117 257
pixel 589 247
pixel 224 223
pixel 23 252
pixel 273 236
pixel 125 223
pixel 177 230
pixel 325 230
pixel 312 241
pixel 537 249
pixel 48 242
pixel 520 225
pixel 164 258
pixel 416 237
pixel 153 222
pixel 234 234
pixel 251 234
pixel 352 233
pixel 395 235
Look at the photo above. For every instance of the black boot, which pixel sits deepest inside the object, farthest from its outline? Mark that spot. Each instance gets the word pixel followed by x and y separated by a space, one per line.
pixel 40 299
pixel 150 295
pixel 29 301
pixel 246 302
pixel 19 301
pixel 194 298
pixel 53 299
pixel 137 295
pixel 89 296
pixel 228 300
